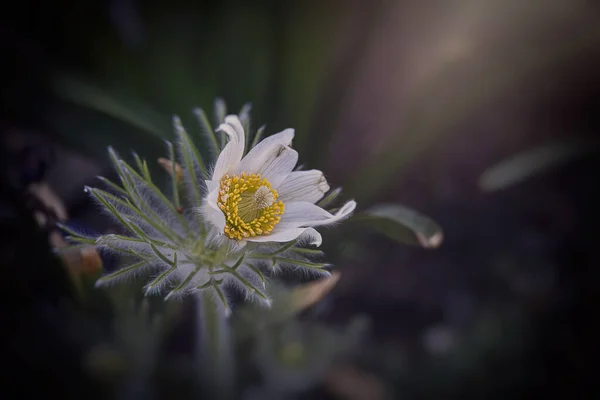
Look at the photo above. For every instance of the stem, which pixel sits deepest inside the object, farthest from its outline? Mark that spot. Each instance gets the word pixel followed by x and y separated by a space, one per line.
pixel 214 348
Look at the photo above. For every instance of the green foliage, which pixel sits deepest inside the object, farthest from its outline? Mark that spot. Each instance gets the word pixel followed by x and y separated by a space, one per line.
pixel 530 163
pixel 402 224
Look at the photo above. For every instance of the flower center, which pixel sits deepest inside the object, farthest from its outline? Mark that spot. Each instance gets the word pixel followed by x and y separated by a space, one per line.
pixel 250 205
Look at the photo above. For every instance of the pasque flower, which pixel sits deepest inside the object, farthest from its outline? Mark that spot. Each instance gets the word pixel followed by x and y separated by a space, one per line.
pixel 226 230
pixel 259 198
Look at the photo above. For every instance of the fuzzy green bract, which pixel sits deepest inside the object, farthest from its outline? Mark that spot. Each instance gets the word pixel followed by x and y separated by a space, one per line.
pixel 169 241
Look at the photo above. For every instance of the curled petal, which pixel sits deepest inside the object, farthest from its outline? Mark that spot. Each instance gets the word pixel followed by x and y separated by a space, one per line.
pixel 303 214
pixel 309 186
pixel 264 151
pixel 286 234
pixel 232 154
pixel 311 236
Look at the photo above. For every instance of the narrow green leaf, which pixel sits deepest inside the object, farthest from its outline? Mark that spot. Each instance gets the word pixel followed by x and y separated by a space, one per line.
pixel 189 145
pixel 207 130
pixel 162 256
pixel 529 163
pixel 71 232
pixel 244 281
pixel 113 185
pixel 184 283
pixel 71 247
pixel 138 162
pixel 221 296
pixel 186 150
pixel 155 222
pixel 134 229
pixel 220 109
pixel 97 99
pixel 402 224
pixel 116 162
pixel 146 171
pixel 239 261
pixel 257 272
pixel 129 251
pixel 135 253
pixel 137 230
pixel 308 252
pixel 101 240
pixel 159 279
pixel 140 201
pixel 257 136
pixel 127 169
pixel 205 285
pixel 110 208
pixel 244 116
pixel 330 198
pixel 284 248
pixel 120 273
pixel 249 285
pixel 302 263
pixel 80 239
pixel 261 256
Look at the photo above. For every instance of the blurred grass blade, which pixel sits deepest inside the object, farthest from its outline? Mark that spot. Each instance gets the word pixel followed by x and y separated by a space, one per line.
pixel 220 110
pixel 330 198
pixel 529 163
pixel 207 130
pixel 244 116
pixel 257 137
pixel 79 262
pixel 287 303
pixel 309 294
pixel 402 224
pixel 90 96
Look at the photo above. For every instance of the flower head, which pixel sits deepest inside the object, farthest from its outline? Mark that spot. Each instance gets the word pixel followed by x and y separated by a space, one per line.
pixel 257 199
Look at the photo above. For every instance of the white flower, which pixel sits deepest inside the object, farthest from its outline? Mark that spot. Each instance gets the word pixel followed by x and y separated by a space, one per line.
pixel 256 198
pixel 259 198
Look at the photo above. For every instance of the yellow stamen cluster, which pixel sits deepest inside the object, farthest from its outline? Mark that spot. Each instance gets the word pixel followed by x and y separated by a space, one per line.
pixel 250 205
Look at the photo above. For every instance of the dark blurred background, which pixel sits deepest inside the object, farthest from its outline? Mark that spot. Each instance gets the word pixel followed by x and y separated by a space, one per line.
pixel 400 101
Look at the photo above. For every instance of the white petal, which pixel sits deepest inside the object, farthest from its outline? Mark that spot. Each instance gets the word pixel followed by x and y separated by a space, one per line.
pixel 311 237
pixel 212 185
pixel 234 121
pixel 307 186
pixel 303 214
pixel 232 154
pixel 265 150
pixel 279 167
pixel 285 235
pixel 211 211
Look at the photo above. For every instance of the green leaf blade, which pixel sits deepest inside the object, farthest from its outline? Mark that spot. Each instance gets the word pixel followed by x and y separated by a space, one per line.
pixel 403 225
